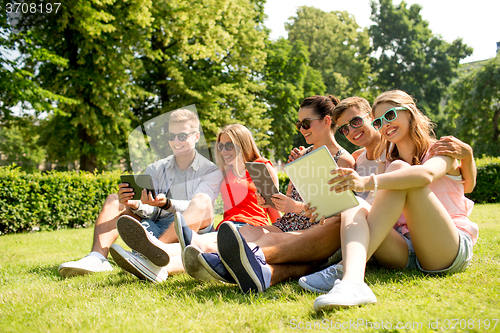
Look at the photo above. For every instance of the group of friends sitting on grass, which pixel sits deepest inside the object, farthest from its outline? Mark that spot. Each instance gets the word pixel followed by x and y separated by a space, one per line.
pixel 412 211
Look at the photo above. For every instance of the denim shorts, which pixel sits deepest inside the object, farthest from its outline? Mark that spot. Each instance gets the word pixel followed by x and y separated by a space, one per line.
pixel 460 263
pixel 158 227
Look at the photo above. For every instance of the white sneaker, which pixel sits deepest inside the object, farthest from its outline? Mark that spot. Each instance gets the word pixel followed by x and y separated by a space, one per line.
pixel 86 265
pixel 345 294
pixel 138 265
pixel 322 281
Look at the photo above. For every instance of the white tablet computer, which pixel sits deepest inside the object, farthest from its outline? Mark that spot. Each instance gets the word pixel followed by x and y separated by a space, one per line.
pixel 310 175
pixel 262 180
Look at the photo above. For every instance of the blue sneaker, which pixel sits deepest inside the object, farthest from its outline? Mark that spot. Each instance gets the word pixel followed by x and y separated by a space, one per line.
pixel 214 266
pixel 183 232
pixel 248 267
pixel 322 281
pixel 192 266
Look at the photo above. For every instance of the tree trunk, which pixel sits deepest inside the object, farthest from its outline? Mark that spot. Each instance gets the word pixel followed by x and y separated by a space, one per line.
pixel 496 130
pixel 88 161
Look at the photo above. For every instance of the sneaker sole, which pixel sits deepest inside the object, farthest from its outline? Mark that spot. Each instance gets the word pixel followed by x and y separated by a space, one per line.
pixel 125 264
pixel 136 237
pixel 324 306
pixel 233 255
pixel 192 266
pixel 212 272
pixel 308 287
pixel 73 271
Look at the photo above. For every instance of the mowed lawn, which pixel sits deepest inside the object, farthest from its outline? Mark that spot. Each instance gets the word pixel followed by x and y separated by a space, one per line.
pixel 33 297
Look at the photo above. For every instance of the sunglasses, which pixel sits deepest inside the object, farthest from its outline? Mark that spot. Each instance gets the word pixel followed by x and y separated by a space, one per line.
pixel 389 115
pixel 305 124
pixel 228 145
pixel 355 122
pixel 180 136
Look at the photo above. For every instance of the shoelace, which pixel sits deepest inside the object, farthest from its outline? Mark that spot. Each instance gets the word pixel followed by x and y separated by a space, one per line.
pixel 138 255
pixel 258 256
pixel 329 272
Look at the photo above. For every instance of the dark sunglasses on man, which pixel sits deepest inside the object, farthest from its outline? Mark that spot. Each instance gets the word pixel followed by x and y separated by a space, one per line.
pixel 180 136
pixel 305 124
pixel 354 122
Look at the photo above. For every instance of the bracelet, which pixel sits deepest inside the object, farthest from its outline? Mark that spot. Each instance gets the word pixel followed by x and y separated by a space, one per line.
pixel 375 184
pixel 167 205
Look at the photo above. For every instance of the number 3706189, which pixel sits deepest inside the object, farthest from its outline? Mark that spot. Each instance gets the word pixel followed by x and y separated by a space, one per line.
pixel 25 7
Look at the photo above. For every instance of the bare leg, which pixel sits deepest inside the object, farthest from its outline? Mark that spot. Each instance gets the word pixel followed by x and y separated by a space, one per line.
pixel 105 233
pixel 314 244
pixel 251 233
pixel 175 265
pixel 434 235
pixel 281 273
pixel 198 215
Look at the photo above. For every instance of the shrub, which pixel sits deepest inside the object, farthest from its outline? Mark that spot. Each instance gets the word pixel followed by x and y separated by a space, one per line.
pixel 487 188
pixel 52 200
pixel 283 178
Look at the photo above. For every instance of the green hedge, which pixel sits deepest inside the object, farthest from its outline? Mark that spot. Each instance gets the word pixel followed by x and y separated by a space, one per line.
pixel 52 200
pixel 487 188
pixel 58 200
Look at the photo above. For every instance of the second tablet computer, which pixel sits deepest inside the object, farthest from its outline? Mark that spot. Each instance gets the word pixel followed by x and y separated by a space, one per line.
pixel 262 180
pixel 138 183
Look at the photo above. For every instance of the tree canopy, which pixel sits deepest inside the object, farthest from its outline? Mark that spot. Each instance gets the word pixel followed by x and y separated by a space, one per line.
pixel 408 56
pixel 209 53
pixel 337 46
pixel 289 79
pixel 474 108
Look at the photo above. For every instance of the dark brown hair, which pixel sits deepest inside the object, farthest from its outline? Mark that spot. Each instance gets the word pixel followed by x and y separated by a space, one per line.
pixel 322 105
pixel 347 103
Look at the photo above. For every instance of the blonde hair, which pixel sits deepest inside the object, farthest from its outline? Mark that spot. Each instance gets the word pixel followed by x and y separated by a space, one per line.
pixel 421 127
pixel 243 142
pixel 185 116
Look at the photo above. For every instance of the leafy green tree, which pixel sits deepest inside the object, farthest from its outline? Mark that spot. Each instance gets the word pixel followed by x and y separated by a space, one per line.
pixel 17 87
pixel 411 57
pixel 289 79
pixel 474 108
pixel 209 53
pixel 337 46
pixel 99 41
pixel 19 144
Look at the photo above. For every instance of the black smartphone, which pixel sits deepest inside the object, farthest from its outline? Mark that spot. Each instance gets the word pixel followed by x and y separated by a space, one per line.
pixel 138 183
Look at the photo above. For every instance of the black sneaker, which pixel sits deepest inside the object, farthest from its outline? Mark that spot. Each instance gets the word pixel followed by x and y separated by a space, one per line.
pixel 139 239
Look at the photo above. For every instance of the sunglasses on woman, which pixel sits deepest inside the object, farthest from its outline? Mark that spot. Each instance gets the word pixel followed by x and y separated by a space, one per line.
pixel 228 145
pixel 389 115
pixel 305 124
pixel 355 122
pixel 180 136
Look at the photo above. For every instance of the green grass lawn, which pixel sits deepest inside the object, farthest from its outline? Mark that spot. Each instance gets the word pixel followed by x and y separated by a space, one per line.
pixel 33 297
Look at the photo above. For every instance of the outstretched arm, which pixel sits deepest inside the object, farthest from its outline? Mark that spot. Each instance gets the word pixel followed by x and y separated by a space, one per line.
pixel 405 178
pixel 451 146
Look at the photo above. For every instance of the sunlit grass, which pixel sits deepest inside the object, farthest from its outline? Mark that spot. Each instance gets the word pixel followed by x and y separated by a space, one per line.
pixel 33 297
